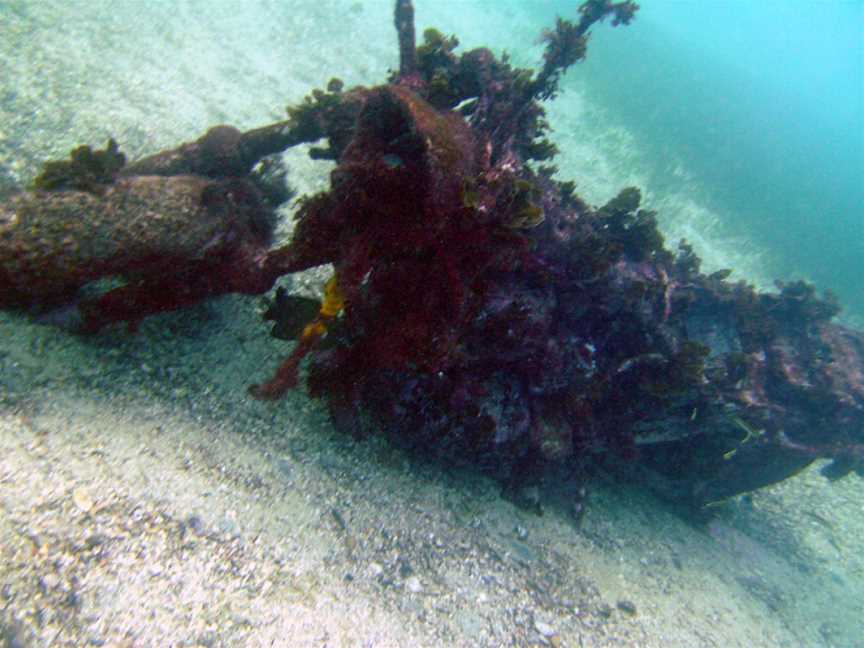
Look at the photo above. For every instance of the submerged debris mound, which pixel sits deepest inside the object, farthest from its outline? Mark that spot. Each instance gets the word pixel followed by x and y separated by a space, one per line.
pixel 479 309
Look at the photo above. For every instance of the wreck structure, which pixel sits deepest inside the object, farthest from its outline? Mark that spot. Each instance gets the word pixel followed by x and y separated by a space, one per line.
pixel 478 307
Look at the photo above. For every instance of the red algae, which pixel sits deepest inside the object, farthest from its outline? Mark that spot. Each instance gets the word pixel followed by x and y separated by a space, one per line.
pixel 479 310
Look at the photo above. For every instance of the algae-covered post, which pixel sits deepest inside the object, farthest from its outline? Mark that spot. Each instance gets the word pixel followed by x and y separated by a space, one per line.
pixel 479 309
pixel 404 20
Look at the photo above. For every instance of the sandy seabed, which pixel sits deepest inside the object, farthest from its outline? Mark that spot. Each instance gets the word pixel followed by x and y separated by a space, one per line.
pixel 145 500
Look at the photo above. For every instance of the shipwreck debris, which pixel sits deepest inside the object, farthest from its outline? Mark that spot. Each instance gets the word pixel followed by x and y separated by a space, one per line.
pixel 479 309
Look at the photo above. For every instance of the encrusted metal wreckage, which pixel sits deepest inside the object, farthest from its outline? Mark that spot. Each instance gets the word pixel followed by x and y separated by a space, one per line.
pixel 479 309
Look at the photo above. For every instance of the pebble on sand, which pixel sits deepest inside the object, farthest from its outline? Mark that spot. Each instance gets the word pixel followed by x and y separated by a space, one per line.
pixel 82 499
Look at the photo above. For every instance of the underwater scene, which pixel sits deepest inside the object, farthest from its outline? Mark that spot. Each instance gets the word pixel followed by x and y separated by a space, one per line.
pixel 431 323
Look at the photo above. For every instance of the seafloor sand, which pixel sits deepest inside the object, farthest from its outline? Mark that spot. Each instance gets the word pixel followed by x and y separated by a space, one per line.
pixel 146 501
